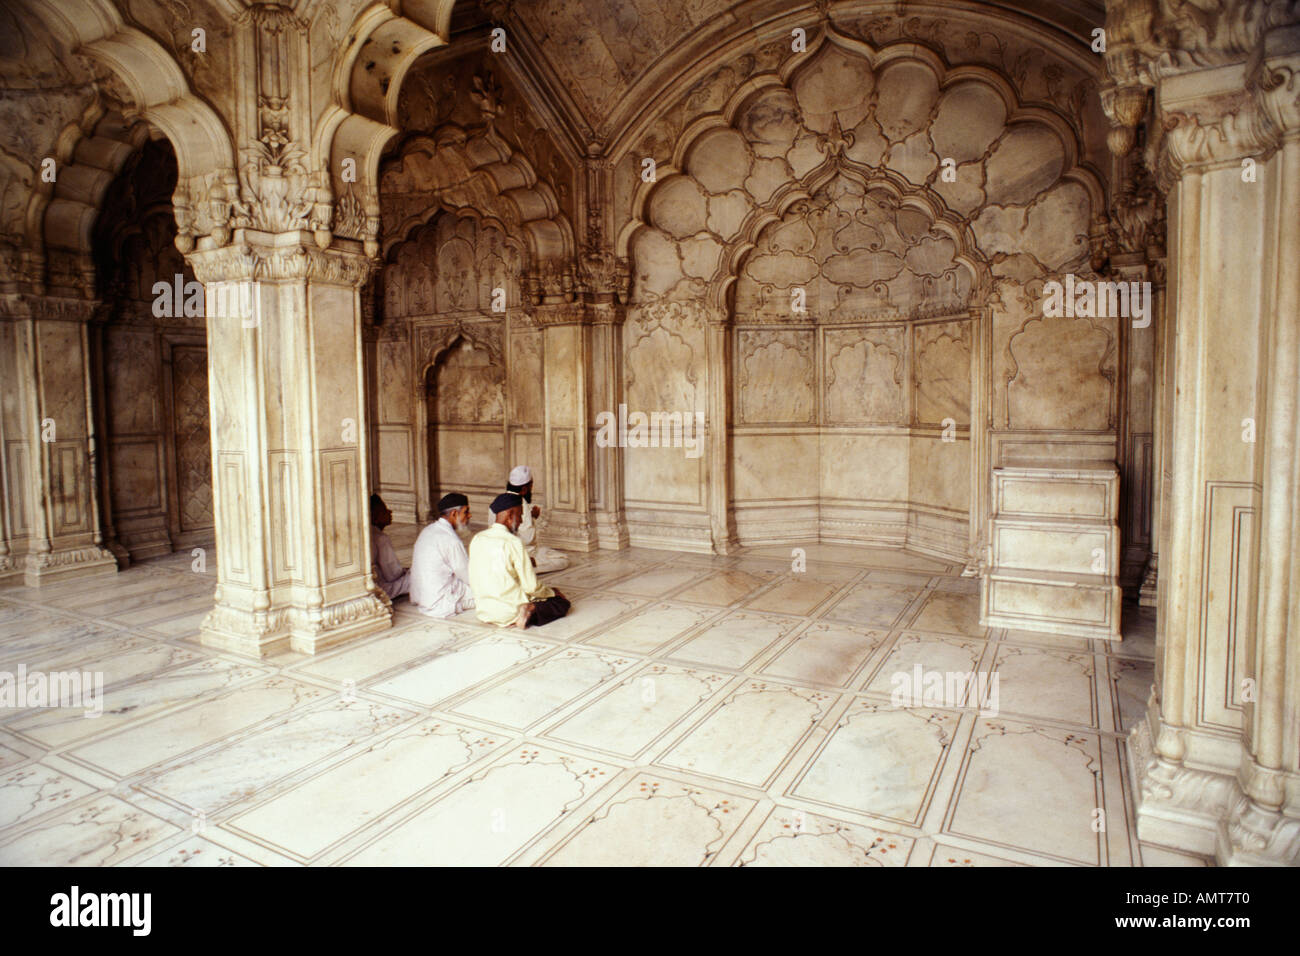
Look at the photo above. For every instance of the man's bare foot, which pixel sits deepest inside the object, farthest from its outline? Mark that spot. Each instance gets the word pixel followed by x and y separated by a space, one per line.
pixel 525 612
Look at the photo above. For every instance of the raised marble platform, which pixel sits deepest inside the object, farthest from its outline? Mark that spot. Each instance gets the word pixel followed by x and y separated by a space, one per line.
pixel 1053 557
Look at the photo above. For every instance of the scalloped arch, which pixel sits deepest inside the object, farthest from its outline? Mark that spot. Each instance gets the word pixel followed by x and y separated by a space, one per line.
pixel 485 175
pixel 878 179
pixel 362 118
pixel 163 97
pixel 783 81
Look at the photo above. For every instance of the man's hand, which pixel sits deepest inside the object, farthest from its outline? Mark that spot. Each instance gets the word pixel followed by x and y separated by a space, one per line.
pixel 536 511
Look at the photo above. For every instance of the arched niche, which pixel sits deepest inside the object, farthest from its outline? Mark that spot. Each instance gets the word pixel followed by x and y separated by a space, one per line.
pixel 457 390
pixel 852 332
pixel 149 368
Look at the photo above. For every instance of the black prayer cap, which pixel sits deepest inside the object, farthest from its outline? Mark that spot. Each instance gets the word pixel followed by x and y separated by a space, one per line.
pixel 505 501
pixel 453 500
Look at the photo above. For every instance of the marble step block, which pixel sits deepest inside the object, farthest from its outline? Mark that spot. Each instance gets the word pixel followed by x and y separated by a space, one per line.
pixel 1054 602
pixel 1055 545
pixel 1090 491
pixel 1053 553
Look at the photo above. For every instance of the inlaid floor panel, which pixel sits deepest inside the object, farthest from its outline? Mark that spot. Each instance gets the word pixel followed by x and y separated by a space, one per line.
pixel 826 706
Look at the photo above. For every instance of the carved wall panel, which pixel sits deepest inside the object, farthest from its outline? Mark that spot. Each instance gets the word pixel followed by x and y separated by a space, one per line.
pixel 942 372
pixel 775 376
pixel 1061 375
pixel 394 381
pixel 526 392
pixel 134 399
pixel 470 386
pixel 665 371
pixel 193 438
pixel 452 265
pixel 864 375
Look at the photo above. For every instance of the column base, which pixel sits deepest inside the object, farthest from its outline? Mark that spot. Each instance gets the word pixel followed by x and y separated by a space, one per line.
pixel 568 531
pixel 1253 835
pixel 1176 805
pixel 52 566
pixel 1147 592
pixel 611 530
pixel 305 630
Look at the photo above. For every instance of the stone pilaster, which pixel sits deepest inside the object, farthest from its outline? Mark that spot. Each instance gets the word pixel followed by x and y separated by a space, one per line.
pixel 1215 761
pixel 1264 823
pixel 722 518
pixel 566 342
pixel 50 527
pixel 289 445
pixel 607 513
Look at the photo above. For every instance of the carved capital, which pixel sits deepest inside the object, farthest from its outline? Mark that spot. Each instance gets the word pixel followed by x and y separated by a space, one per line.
pixel 604 276
pixel 550 284
pixel 559 313
pixel 292 255
pixel 48 308
pixel 1274 78
pixel 204 206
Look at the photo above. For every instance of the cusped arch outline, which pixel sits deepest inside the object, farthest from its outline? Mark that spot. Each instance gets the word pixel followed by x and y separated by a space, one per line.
pixel 163 97
pixel 502 188
pixel 383 42
pixel 782 80
pixel 871 179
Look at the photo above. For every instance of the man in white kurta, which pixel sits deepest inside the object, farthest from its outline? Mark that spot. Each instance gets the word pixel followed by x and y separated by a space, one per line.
pixel 439 564
pixel 544 559
pixel 504 582
pixel 394 579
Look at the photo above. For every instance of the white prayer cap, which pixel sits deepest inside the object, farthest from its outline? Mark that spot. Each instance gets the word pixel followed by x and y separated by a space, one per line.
pixel 521 475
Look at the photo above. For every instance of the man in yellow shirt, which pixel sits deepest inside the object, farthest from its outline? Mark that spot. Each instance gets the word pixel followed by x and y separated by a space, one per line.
pixel 506 592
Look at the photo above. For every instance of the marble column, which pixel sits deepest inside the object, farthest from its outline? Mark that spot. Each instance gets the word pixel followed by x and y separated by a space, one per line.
pixel 1215 761
pixel 289 444
pixel 1263 826
pixel 51 524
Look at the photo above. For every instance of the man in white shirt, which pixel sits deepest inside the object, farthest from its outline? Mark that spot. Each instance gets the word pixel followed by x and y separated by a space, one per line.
pixel 439 565
pixel 394 579
pixel 504 582
pixel 544 559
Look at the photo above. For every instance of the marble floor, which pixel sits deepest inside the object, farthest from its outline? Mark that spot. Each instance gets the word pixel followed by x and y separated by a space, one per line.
pixel 691 710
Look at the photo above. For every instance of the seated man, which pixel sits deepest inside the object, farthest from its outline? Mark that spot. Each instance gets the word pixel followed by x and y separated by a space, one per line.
pixel 439 565
pixel 389 573
pixel 520 483
pixel 502 578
